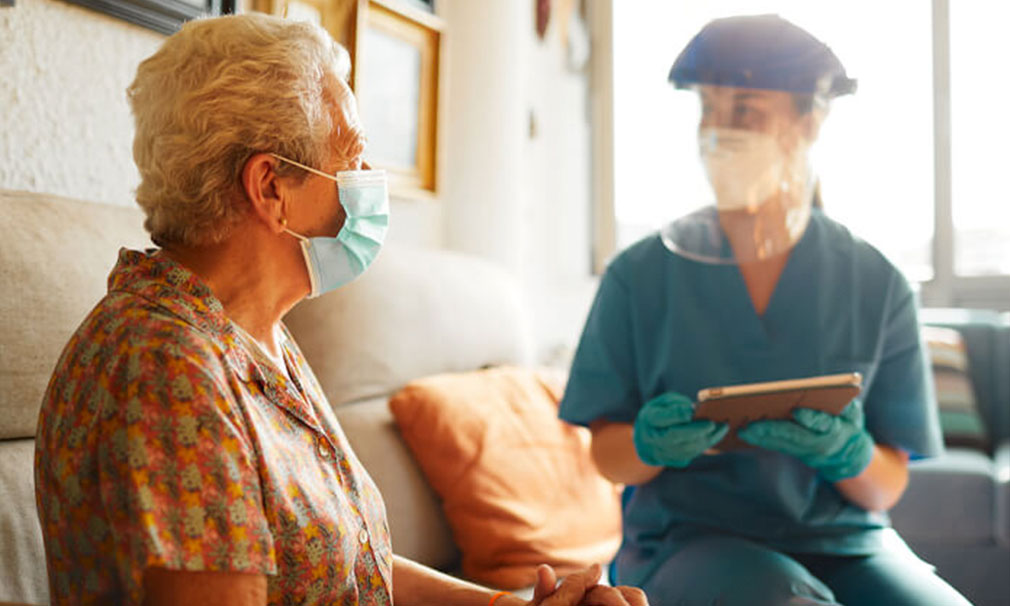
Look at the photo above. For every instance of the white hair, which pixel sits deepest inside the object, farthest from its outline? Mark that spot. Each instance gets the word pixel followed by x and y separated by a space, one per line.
pixel 217 92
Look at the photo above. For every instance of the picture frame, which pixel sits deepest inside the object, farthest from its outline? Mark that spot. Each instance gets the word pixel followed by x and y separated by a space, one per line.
pixel 165 16
pixel 425 5
pixel 396 75
pixel 396 78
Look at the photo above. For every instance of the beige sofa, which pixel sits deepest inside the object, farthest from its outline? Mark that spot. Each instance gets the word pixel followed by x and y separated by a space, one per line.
pixel 415 313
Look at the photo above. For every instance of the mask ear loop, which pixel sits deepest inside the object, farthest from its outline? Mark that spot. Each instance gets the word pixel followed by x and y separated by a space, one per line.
pixel 304 245
pixel 315 171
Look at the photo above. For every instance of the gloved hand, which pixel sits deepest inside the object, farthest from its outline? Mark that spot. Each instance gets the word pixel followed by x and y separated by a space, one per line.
pixel 838 447
pixel 665 434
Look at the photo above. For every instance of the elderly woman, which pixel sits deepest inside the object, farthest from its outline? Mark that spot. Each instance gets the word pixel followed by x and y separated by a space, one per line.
pixel 186 454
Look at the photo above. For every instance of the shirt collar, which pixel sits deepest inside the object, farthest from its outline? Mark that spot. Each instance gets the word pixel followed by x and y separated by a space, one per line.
pixel 156 277
pixel 169 285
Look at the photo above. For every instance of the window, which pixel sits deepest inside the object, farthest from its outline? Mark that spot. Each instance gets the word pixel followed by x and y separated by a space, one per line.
pixel 978 97
pixel 923 186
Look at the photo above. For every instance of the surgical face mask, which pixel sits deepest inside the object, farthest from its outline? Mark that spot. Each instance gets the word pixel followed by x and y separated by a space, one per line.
pixel 745 168
pixel 335 261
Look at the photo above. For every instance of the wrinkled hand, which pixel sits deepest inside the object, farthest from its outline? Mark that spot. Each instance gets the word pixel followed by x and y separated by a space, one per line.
pixel 582 589
pixel 666 435
pixel 838 447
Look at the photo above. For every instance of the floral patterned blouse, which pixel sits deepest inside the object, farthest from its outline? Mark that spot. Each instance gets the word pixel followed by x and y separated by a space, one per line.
pixel 164 441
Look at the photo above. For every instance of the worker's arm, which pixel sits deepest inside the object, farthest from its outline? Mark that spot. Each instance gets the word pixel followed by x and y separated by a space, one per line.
pixel 881 484
pixel 613 451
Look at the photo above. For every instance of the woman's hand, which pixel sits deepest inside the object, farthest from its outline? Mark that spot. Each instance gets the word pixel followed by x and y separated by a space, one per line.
pixel 838 447
pixel 668 435
pixel 582 589
pixel 417 585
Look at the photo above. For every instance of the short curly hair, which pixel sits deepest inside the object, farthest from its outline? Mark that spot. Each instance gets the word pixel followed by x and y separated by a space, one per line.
pixel 217 92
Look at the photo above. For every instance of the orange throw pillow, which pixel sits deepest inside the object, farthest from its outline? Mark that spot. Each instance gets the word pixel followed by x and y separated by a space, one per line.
pixel 517 484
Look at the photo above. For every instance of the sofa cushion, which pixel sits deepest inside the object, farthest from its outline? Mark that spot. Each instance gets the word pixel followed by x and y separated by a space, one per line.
pixel 960 419
pixel 950 498
pixel 23 569
pixel 417 524
pixel 413 313
pixel 987 336
pixel 55 256
pixel 518 485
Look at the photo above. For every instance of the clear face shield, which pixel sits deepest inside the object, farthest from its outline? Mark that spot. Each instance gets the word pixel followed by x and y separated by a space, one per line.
pixel 754 146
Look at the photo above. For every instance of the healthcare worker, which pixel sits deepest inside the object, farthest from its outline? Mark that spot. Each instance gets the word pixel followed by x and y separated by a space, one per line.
pixel 760 286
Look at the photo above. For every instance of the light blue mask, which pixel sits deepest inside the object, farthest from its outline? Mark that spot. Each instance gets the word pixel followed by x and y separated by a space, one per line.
pixel 335 261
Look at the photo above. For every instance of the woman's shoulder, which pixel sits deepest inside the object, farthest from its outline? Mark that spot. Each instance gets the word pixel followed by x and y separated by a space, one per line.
pixel 134 351
pixel 840 239
pixel 125 323
pixel 859 262
pixel 647 253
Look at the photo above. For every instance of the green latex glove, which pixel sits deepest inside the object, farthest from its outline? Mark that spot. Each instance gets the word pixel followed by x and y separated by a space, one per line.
pixel 666 435
pixel 838 447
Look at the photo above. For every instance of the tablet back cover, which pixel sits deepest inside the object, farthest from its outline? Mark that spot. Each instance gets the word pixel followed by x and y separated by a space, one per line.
pixel 738 411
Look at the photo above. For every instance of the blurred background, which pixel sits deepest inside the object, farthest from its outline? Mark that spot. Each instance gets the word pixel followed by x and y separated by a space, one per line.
pixel 543 134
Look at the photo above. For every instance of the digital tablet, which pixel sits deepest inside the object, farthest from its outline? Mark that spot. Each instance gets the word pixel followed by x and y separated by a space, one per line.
pixel 739 405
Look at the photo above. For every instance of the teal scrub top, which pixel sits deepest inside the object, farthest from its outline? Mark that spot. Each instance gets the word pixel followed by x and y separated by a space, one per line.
pixel 661 322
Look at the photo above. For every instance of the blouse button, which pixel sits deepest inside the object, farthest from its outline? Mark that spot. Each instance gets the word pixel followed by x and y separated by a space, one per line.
pixel 324 449
pixel 363 536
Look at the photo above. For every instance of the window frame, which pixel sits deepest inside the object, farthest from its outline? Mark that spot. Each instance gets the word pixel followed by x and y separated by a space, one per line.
pixel 947 289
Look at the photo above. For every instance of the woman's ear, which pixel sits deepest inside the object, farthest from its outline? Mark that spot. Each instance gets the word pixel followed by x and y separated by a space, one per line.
pixel 265 191
pixel 812 121
pixel 803 130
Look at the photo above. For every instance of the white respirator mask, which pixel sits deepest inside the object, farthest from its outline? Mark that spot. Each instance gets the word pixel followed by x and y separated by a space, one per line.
pixel 763 195
pixel 745 167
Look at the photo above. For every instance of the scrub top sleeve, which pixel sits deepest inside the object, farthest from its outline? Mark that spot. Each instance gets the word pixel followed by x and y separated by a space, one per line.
pixel 602 384
pixel 901 406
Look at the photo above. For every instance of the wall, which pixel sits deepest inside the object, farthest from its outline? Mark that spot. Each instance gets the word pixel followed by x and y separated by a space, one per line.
pixel 558 255
pixel 518 160
pixel 65 127
pixel 514 196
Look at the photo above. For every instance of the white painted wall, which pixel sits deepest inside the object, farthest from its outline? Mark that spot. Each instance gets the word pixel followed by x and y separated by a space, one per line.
pixel 65 126
pixel 518 196
pixel 484 190
pixel 519 200
pixel 558 257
